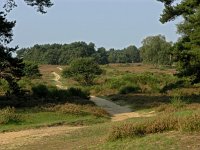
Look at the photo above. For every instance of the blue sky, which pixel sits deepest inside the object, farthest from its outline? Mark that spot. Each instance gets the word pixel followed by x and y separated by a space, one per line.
pixel 108 23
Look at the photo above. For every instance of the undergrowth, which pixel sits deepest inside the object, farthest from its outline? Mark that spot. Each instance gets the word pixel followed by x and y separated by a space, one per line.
pixel 8 115
pixel 157 125
pixel 77 109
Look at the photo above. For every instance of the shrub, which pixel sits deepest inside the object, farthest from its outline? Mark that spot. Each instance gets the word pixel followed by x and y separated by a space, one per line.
pixel 8 115
pixel 177 102
pixel 78 92
pixel 25 84
pixel 3 86
pixel 157 125
pixel 54 95
pixel 162 123
pixel 126 130
pixel 40 91
pixel 129 89
pixel 83 70
pixel 191 123
pixel 78 109
pixel 31 70
pixel 147 82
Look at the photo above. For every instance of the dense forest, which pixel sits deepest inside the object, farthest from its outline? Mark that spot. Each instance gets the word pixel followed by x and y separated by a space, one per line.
pixel 61 54
pixel 155 50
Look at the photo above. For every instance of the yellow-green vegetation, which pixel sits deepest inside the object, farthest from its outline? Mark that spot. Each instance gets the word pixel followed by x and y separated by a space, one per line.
pixel 96 137
pixel 173 100
pixel 159 124
pixel 51 115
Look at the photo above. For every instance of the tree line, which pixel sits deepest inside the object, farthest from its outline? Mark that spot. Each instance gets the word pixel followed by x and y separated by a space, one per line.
pixel 185 52
pixel 155 50
pixel 62 54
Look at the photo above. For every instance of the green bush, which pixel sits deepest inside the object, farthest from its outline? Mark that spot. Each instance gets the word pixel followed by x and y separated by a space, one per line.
pixel 83 70
pixel 25 84
pixel 147 82
pixel 31 70
pixel 54 95
pixel 8 115
pixel 78 92
pixel 40 91
pixel 3 87
pixel 177 102
pixel 129 89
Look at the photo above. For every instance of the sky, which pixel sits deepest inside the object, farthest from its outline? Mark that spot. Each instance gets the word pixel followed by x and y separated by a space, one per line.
pixel 107 23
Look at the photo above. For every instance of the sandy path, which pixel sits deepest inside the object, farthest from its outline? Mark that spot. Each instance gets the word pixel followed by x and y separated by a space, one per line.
pixel 118 112
pixel 13 140
pixel 57 79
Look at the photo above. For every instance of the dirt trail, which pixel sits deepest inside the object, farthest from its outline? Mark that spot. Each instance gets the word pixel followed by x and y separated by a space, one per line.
pixel 118 112
pixel 57 79
pixel 13 140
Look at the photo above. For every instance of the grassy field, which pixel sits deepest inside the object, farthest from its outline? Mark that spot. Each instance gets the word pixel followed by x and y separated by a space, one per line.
pixel 68 114
pixel 96 137
pixel 143 88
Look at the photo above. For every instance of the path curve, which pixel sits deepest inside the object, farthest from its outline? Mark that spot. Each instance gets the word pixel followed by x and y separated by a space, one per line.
pixel 119 113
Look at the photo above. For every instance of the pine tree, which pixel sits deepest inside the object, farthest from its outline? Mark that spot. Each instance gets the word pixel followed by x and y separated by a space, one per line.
pixel 11 69
pixel 187 49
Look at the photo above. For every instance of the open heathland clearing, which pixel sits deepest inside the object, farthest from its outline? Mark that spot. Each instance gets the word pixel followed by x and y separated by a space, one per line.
pixel 151 110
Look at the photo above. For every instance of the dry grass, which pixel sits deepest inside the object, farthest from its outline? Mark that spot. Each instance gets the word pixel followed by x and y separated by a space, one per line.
pixel 139 68
pixel 46 71
pixel 157 125
pixel 77 109
pixel 9 115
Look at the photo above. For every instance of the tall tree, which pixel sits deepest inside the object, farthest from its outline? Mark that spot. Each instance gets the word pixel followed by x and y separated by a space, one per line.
pixel 187 49
pixel 11 69
pixel 132 54
pixel 101 56
pixel 156 50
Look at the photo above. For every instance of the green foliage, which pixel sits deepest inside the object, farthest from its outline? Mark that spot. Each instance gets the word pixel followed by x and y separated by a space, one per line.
pixel 129 89
pixel 187 49
pixel 156 50
pixel 177 102
pixel 144 82
pixel 101 56
pixel 57 54
pixel 40 91
pixel 11 69
pixel 78 92
pixel 8 115
pixel 127 55
pixel 53 95
pixel 3 87
pixel 83 70
pixel 31 70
